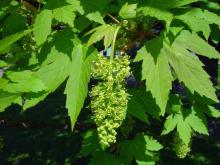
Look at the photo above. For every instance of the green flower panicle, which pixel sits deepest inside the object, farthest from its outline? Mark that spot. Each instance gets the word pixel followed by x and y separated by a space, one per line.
pixel 181 149
pixel 109 97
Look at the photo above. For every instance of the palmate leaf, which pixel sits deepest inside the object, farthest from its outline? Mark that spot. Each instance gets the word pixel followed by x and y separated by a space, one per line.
pixel 137 109
pixel 156 70
pixel 188 68
pixel 6 99
pixel 59 66
pixel 141 148
pixel 94 9
pixel 170 124
pixel 77 84
pixel 3 64
pixel 91 147
pixel 193 42
pixel 177 120
pixel 52 74
pixel 62 11
pixel 5 8
pixel 65 11
pixel 96 16
pixel 54 69
pixel 105 32
pixel 183 129
pixel 212 112
pixel 90 144
pixel 168 4
pixel 199 20
pixel 65 15
pixel 160 14
pixel 8 41
pixel 207 109
pixel 186 120
pixel 158 55
pixel 42 26
pixel 141 104
pixel 197 121
pixel 128 11
pixel 152 144
pixel 23 81
pixel 9 28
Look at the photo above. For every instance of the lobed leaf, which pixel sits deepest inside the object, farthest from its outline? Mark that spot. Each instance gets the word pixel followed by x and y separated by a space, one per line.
pixel 42 26
pixel 77 84
pixel 8 41
pixel 156 71
pixel 128 11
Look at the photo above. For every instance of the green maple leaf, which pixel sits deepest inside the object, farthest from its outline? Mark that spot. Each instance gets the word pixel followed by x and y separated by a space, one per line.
pixel 184 130
pixel 188 68
pixel 177 120
pixel 90 144
pixel 5 8
pixel 152 144
pixel 193 42
pixel 9 40
pixel 53 72
pixel 54 68
pixel 77 84
pixel 23 81
pixel 158 55
pixel 199 20
pixel 9 28
pixel 42 26
pixel 65 15
pixel 128 11
pixel 160 14
pixel 186 120
pixel 156 70
pixel 141 104
pixel 141 148
pixel 105 32
pixel 137 108
pixel 197 121
pixel 96 16
pixel 212 112
pixel 94 9
pixel 3 64
pixel 65 11
pixel 6 99
pixel 169 4
pixel 170 124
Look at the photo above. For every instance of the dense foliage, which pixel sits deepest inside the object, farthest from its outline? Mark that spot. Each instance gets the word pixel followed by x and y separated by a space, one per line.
pixel 134 62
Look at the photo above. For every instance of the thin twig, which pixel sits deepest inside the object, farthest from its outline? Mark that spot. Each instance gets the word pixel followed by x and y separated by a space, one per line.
pixel 113 44
pixel 28 6
pixel 114 19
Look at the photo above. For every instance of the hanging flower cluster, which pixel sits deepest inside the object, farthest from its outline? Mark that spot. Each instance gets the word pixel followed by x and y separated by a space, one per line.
pixel 109 97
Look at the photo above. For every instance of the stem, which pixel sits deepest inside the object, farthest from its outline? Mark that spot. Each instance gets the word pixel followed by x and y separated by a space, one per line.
pixel 113 43
pixel 114 19
pixel 28 6
pixel 39 7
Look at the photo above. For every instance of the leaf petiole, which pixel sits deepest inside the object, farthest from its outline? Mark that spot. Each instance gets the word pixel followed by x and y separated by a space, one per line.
pixel 113 43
